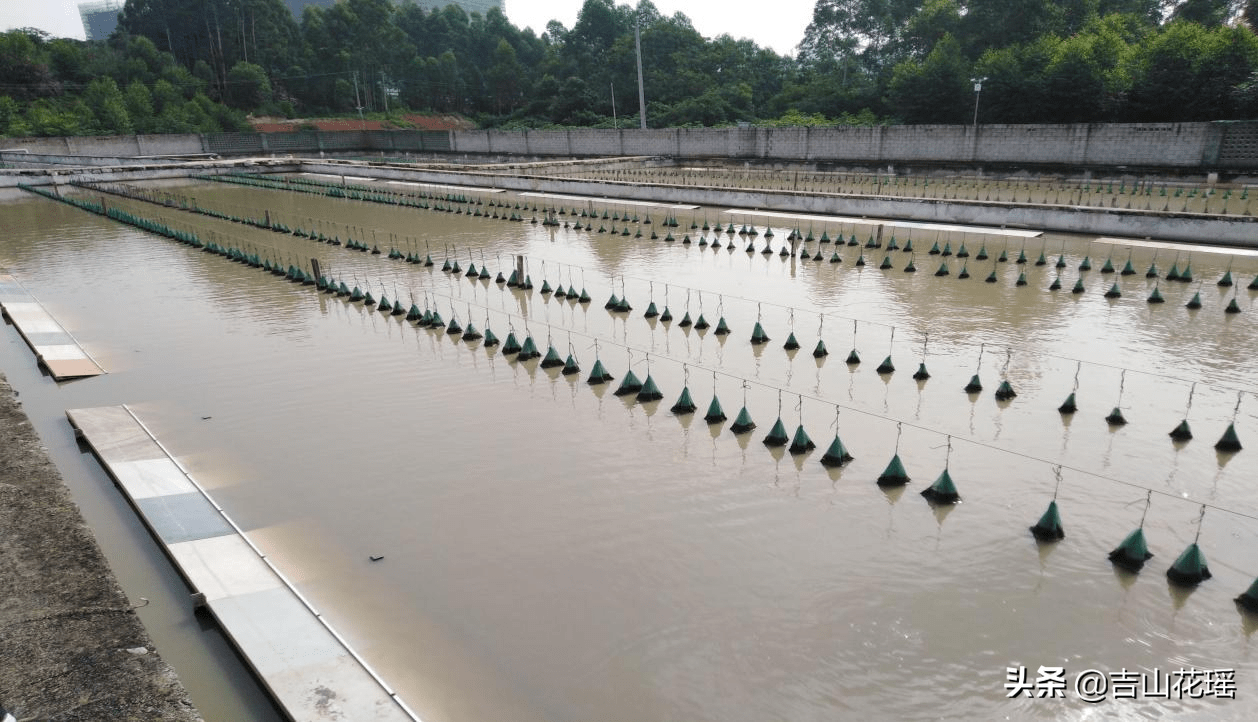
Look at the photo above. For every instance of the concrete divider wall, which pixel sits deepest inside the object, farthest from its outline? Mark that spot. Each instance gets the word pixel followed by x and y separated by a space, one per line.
pixel 379 139
pixel 172 144
pixel 745 142
pixel 1189 146
pixel 649 141
pixel 784 143
pixel 1176 144
pixel 1034 143
pixel 346 140
pixel 471 141
pixel 927 143
pixel 46 146
pixel 120 145
pixel 589 142
pixel 296 141
pixel 1169 145
pixel 547 142
pixel 508 142
pixel 847 143
pixel 697 142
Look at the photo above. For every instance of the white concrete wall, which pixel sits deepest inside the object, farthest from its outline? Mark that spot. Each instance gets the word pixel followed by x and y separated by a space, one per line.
pixel 547 142
pixel 1170 145
pixel 1193 146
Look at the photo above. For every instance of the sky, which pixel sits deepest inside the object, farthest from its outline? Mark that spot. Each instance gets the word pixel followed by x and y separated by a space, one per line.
pixel 779 26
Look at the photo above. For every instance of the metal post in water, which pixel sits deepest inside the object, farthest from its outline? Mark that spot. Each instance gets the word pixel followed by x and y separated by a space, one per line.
pixel 519 268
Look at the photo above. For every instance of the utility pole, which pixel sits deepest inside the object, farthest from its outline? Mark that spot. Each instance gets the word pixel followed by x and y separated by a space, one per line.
pixel 384 93
pixel 615 123
pixel 978 89
pixel 358 102
pixel 637 42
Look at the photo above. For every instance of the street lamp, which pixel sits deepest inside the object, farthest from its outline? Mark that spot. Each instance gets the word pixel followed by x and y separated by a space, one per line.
pixel 978 88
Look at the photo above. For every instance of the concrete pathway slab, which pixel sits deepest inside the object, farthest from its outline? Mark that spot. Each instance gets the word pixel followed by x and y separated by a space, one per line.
pixel 312 673
pixel 54 347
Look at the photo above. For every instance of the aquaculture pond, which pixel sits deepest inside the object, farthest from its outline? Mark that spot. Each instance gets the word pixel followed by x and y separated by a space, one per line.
pixel 552 549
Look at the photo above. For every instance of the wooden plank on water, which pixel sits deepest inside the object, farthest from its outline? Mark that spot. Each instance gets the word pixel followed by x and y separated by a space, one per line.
pixel 54 347
pixel 309 669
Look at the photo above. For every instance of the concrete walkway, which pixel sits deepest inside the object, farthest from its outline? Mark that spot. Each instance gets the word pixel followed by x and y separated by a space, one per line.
pixel 308 668
pixel 54 347
pixel 73 647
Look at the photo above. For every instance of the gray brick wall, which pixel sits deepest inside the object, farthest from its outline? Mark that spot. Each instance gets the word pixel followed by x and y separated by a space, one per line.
pixel 1172 145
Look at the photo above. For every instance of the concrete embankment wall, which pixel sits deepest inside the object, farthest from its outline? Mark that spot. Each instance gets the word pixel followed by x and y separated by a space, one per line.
pixel 1229 147
pixel 117 146
pixel 1180 146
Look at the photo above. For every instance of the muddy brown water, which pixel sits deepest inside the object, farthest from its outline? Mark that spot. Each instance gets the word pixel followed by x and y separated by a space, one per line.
pixel 555 552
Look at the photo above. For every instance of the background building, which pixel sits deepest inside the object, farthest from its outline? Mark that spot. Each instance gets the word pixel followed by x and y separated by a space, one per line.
pixel 100 18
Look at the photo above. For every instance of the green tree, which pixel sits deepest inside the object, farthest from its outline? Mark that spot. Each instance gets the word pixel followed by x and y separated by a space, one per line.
pixel 165 96
pixel 1015 85
pixel 108 108
pixel 219 33
pixel 504 77
pixel 24 66
pixel 1189 72
pixel 1205 12
pixel 247 86
pixel 1080 82
pixel 930 24
pixel 870 29
pixel 448 85
pixel 934 90
pixel 571 105
pixel 139 104
pixel 11 121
